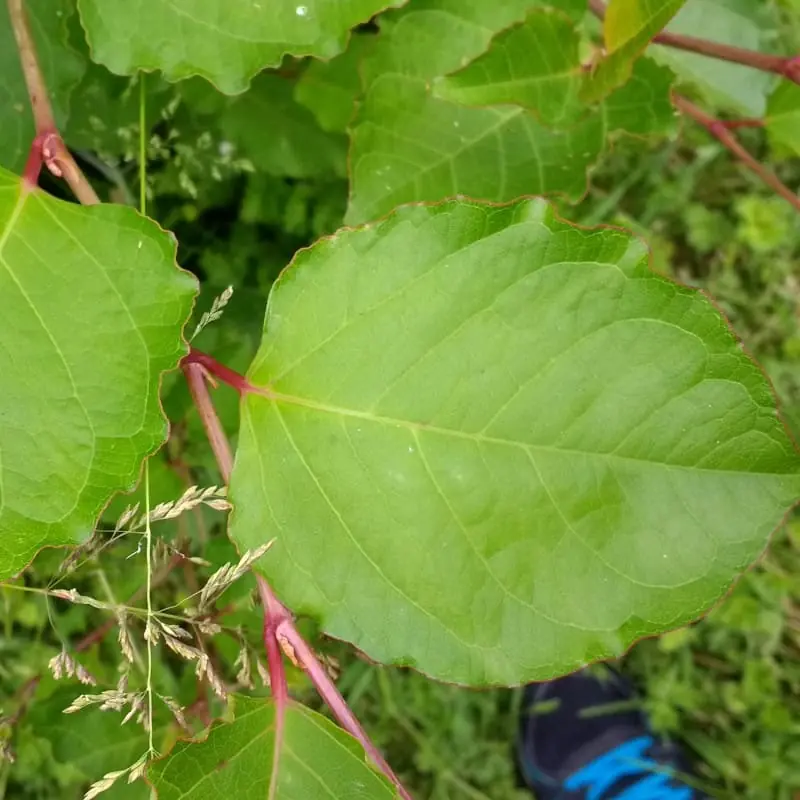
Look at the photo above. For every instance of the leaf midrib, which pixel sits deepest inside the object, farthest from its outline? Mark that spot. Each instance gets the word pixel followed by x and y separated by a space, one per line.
pixel 481 438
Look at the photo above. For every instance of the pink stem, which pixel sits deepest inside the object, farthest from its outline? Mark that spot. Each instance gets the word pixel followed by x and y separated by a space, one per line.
pixel 37 89
pixel 274 615
pixel 719 131
pixel 195 377
pixel 334 700
pixel 48 146
pixel 213 367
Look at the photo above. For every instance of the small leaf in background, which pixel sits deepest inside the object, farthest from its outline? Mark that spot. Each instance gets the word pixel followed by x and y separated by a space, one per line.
pixel 249 759
pixel 500 447
pixel 534 64
pixel 329 89
pixel 628 27
pixel 62 68
pixel 643 105
pixel 409 146
pixel 225 42
pixel 280 136
pixel 783 116
pixel 741 23
pixel 93 309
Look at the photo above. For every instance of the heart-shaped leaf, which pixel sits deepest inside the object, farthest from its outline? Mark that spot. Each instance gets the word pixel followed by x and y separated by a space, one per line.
pixel 741 23
pixel 93 309
pixel 496 447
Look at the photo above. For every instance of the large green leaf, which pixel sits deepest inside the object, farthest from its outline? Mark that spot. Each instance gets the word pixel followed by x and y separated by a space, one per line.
pixel 280 136
pixel 93 307
pixel 225 42
pixel 783 116
pixel 628 27
pixel 741 23
pixel 62 68
pixel 304 757
pixel 495 447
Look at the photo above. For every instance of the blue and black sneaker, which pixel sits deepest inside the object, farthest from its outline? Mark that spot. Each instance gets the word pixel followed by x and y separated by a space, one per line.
pixel 583 737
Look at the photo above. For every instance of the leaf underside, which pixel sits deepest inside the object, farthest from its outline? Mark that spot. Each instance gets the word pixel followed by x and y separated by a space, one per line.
pixel 497 447
pixel 93 309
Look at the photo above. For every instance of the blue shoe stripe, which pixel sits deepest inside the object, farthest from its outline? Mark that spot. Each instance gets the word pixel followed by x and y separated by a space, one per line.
pixel 627 760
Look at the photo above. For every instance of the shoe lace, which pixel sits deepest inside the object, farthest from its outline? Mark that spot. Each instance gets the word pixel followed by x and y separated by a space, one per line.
pixel 654 780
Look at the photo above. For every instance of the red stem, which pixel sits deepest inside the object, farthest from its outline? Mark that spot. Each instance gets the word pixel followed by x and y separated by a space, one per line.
pixel 196 378
pixel 781 65
pixel 48 146
pixel 274 615
pixel 327 690
pixel 213 367
pixel 719 131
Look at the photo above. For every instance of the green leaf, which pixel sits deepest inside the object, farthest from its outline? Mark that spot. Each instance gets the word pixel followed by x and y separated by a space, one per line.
pixel 310 758
pixel 280 136
pixel 495 447
pixel 409 146
pixel 429 38
pixel 783 115
pixel 628 27
pixel 225 42
pixel 536 64
pixel 643 105
pixel 61 65
pixel 533 64
pixel 741 23
pixel 93 307
pixel 329 89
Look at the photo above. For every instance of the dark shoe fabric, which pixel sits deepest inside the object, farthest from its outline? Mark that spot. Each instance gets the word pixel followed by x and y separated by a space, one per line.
pixel 583 738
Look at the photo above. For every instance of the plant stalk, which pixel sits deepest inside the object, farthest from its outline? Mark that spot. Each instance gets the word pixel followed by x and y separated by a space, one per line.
pixel 217 370
pixel 195 377
pixel 789 68
pixel 48 146
pixel 720 131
